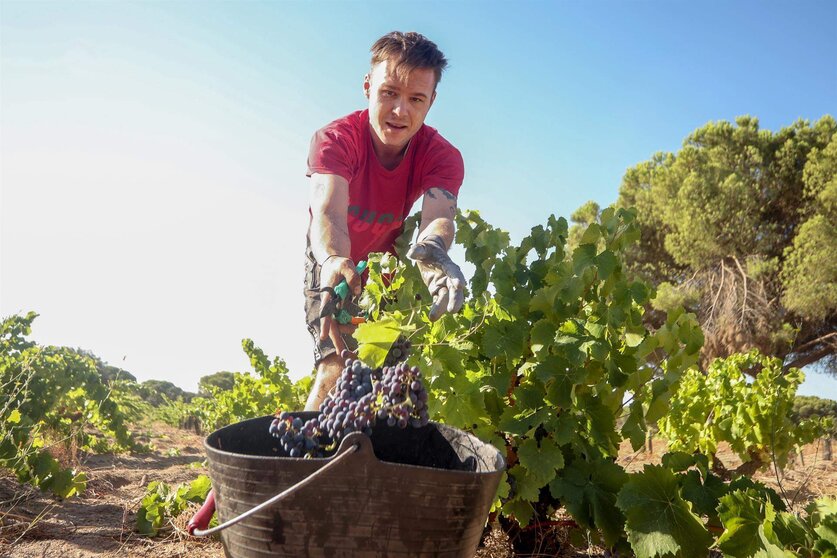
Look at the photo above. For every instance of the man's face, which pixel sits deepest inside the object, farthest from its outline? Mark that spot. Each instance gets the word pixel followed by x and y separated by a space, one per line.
pixel 397 108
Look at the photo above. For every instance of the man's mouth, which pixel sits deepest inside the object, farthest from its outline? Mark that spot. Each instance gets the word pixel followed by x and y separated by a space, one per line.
pixel 396 126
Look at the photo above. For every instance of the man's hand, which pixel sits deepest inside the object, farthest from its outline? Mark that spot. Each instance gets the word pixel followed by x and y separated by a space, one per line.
pixel 332 272
pixel 440 274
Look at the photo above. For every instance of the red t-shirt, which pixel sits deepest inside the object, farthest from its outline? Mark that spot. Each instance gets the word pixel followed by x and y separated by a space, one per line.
pixel 380 199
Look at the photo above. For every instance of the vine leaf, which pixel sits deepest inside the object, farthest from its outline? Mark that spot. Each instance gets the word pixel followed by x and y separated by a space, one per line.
pixel 703 494
pixel 375 340
pixel 519 509
pixel 542 336
pixel 584 256
pixel 743 514
pixel 541 461
pixel 606 262
pixel 824 511
pixel 528 484
pixel 790 530
pixel 658 521
pixel 588 491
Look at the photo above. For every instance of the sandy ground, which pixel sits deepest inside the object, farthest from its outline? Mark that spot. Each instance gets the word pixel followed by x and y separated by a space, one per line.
pixel 101 521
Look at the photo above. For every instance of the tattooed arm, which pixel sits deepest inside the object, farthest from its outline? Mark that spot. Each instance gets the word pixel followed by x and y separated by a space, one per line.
pixel 438 210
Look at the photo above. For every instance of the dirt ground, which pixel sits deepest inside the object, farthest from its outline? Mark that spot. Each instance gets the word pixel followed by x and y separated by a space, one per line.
pixel 101 522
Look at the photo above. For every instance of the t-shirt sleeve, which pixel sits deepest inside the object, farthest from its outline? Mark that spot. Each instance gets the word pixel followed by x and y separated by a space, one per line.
pixel 444 169
pixel 332 151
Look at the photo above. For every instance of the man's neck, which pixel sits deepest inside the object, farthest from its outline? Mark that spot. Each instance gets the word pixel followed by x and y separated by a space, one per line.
pixel 389 157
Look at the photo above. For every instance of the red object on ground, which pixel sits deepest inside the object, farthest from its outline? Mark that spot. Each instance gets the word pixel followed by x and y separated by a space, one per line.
pixel 204 515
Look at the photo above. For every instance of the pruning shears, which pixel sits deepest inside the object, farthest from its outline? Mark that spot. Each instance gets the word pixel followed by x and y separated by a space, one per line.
pixel 338 295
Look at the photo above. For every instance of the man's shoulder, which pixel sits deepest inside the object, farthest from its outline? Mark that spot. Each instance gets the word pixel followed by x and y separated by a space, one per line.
pixel 351 123
pixel 435 144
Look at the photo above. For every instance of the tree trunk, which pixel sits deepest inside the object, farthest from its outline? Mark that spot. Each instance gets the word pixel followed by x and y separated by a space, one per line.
pixel 826 448
pixel 649 442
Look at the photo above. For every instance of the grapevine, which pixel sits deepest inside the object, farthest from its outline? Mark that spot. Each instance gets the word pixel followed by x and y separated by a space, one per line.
pixel 45 391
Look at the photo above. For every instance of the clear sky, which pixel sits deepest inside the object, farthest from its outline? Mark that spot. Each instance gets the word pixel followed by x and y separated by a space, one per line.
pixel 154 199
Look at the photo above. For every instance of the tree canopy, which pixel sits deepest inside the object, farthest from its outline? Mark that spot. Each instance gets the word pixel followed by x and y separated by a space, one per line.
pixel 221 380
pixel 740 226
pixel 154 390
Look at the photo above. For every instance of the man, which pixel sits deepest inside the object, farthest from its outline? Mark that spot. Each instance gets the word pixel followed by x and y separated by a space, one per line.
pixel 367 169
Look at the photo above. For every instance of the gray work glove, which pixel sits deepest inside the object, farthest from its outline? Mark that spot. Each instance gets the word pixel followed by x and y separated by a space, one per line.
pixel 443 278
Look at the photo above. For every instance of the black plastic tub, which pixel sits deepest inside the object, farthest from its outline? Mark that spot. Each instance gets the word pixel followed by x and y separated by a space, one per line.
pixel 415 492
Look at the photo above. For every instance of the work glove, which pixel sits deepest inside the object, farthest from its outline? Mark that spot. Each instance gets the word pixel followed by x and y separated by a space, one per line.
pixel 443 278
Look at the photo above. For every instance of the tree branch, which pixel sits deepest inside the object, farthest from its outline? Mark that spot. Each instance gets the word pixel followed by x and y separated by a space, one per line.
pixel 809 358
pixel 816 341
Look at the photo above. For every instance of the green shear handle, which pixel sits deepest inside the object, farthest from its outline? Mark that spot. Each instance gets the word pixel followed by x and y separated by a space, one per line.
pixel 342 290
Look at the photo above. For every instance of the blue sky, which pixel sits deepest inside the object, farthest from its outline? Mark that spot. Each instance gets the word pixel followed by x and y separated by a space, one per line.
pixel 153 154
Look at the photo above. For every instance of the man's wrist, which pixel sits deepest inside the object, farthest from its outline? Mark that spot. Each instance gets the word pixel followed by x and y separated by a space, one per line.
pixel 332 256
pixel 435 240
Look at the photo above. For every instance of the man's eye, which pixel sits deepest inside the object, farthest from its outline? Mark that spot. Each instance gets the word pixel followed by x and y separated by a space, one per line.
pixel 418 99
pixel 387 93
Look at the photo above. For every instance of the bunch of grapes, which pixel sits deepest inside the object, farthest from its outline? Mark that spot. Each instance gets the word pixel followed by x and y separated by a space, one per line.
pixel 404 397
pixel 351 409
pixel 297 438
pixel 399 352
pixel 394 393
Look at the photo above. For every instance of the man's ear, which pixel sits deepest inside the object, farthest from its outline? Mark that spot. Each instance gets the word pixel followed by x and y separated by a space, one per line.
pixel 367 85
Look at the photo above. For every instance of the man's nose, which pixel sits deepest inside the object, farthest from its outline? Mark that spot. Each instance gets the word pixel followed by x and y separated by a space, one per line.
pixel 400 106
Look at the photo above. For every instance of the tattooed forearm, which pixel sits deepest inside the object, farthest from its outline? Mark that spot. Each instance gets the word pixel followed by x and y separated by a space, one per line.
pixel 444 192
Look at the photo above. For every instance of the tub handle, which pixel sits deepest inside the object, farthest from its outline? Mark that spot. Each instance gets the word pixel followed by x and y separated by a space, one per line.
pixel 281 496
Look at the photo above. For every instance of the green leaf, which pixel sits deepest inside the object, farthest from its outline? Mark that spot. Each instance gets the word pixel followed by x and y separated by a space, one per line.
pixel 588 491
pixel 591 234
pixel 543 300
pixel 144 525
pixel 584 256
pixel 601 426
pixel 542 336
pixel 542 461
pixel 703 494
pixel 375 340
pixel 678 460
pixel 658 521
pixel 764 491
pixel 513 421
pixel 606 262
pixel 634 427
pixel 198 489
pixel 503 339
pixel 596 330
pixel 559 378
pixel 519 509
pixel 743 513
pixel 528 484
pixel 790 530
pixel 639 292
pixel 633 339
pixel 824 512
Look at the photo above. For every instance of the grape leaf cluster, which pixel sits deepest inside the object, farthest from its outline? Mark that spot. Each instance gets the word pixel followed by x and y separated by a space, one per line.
pixel 362 396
